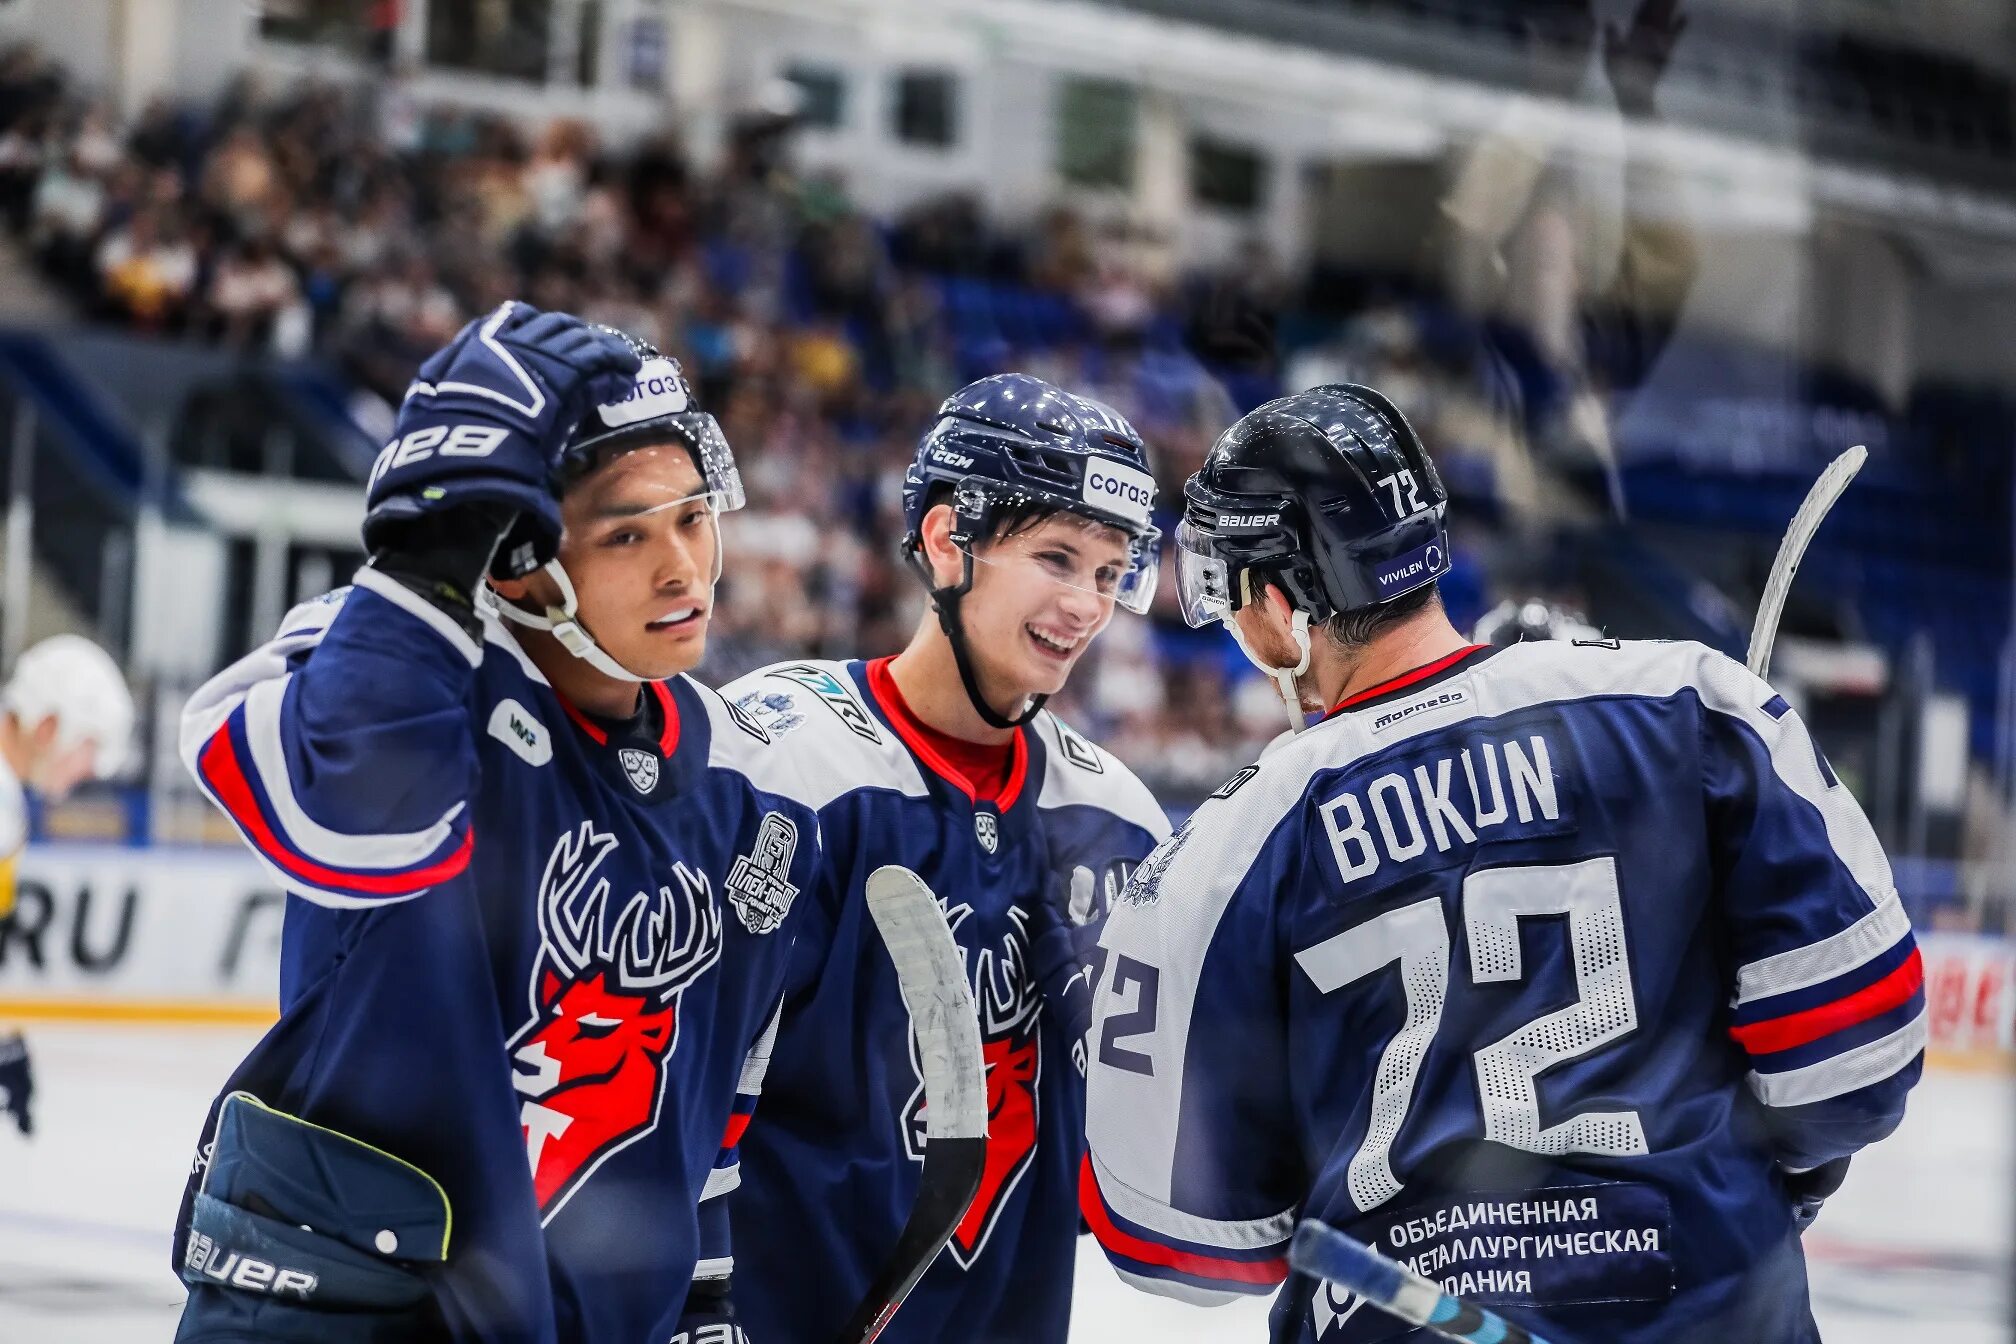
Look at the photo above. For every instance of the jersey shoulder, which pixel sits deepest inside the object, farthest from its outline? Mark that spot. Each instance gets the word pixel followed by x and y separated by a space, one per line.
pixel 815 715
pixel 1078 772
pixel 1559 670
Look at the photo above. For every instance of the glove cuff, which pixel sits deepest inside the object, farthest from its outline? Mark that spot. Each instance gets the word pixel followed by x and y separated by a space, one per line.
pixel 442 556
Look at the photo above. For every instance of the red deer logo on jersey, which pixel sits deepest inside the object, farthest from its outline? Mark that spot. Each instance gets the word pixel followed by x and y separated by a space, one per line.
pixel 605 1010
pixel 1007 998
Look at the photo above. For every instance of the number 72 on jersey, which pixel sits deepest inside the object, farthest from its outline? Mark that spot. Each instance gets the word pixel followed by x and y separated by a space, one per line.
pixel 1417 937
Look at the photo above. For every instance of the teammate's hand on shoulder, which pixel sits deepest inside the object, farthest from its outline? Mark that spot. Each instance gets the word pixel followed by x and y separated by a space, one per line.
pixel 482 427
pixel 709 1317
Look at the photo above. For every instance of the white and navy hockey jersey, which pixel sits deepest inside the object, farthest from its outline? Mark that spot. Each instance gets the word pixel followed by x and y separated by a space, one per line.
pixel 1533 970
pixel 830 1161
pixel 525 950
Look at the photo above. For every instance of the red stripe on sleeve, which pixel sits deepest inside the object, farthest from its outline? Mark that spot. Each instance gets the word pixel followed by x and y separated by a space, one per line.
pixel 1801 1028
pixel 738 1125
pixel 1093 1206
pixel 226 778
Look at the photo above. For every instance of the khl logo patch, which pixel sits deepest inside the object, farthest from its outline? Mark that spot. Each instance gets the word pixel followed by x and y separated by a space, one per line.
pixel 641 767
pixel 987 830
pixel 758 885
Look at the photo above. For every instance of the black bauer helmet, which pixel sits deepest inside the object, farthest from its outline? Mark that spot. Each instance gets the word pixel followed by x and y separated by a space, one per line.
pixel 1328 494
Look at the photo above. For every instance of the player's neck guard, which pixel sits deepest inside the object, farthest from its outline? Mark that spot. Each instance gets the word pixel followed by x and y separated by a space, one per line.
pixel 945 601
pixel 563 622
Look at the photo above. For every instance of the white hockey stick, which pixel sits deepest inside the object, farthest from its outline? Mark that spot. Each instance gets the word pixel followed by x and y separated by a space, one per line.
pixel 1812 512
pixel 935 990
pixel 1322 1252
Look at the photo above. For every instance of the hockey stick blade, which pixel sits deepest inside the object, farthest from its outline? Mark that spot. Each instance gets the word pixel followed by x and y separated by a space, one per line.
pixel 1323 1252
pixel 1812 512
pixel 933 981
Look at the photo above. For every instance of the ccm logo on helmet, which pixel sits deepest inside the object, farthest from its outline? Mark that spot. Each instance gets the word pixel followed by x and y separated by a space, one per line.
pixel 1119 488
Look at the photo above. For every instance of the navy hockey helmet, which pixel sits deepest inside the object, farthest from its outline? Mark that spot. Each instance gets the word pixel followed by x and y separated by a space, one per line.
pixel 1328 494
pixel 658 407
pixel 1014 440
pixel 1005 444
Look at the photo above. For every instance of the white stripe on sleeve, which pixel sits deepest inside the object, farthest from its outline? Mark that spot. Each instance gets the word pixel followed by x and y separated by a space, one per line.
pixel 1845 1072
pixel 1860 943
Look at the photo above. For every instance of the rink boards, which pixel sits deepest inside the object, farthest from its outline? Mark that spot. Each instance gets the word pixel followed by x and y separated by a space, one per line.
pixel 192 934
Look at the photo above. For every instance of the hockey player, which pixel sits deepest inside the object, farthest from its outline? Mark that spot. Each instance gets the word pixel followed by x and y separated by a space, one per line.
pixel 536 877
pixel 1568 973
pixel 1028 520
pixel 65 716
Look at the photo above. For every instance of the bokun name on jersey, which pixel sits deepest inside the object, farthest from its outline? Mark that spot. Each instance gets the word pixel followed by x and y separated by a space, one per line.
pixel 1447 801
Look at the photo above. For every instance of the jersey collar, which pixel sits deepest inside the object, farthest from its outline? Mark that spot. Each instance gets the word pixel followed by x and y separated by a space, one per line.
pixel 668 709
pixel 1446 666
pixel 917 735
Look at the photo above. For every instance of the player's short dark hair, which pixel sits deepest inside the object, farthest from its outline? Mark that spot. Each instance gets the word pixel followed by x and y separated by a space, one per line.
pixel 1355 629
pixel 1016 518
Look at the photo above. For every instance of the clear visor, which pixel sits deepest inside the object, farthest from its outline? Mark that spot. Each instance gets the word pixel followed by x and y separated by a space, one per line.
pixel 1067 549
pixel 651 488
pixel 716 461
pixel 1203 587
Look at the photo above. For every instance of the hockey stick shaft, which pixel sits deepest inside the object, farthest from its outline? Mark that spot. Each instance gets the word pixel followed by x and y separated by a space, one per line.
pixel 1812 512
pixel 1323 1252
pixel 932 978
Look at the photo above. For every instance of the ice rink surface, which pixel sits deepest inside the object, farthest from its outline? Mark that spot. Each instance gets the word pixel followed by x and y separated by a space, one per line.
pixel 1916 1247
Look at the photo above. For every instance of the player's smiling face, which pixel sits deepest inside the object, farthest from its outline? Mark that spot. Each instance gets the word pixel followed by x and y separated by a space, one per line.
pixel 640 544
pixel 1039 596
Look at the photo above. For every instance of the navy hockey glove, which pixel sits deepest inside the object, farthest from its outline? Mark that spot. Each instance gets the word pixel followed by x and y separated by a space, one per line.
pixel 302 1235
pixel 1064 953
pixel 483 426
pixel 709 1317
pixel 1810 1189
pixel 16 1081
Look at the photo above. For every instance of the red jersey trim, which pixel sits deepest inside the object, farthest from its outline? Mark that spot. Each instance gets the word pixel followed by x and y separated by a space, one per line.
pixel 1406 679
pixel 228 784
pixel 919 737
pixel 668 740
pixel 1803 1028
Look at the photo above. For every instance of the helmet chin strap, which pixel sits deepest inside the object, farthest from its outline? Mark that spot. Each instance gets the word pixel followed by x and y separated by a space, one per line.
pixel 563 622
pixel 945 601
pixel 1284 678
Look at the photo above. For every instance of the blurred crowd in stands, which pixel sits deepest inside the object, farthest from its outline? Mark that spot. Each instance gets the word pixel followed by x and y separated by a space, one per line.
pixel 359 227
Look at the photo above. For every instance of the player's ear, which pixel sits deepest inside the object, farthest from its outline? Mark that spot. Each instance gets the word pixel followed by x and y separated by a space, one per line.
pixel 43 735
pixel 940 551
pixel 1280 611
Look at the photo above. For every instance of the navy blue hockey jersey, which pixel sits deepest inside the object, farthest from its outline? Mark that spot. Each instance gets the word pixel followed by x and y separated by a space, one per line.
pixel 1533 971
pixel 830 1163
pixel 526 956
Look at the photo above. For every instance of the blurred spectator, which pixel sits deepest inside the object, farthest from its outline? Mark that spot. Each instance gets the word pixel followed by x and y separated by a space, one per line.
pixel 147 270
pixel 251 292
